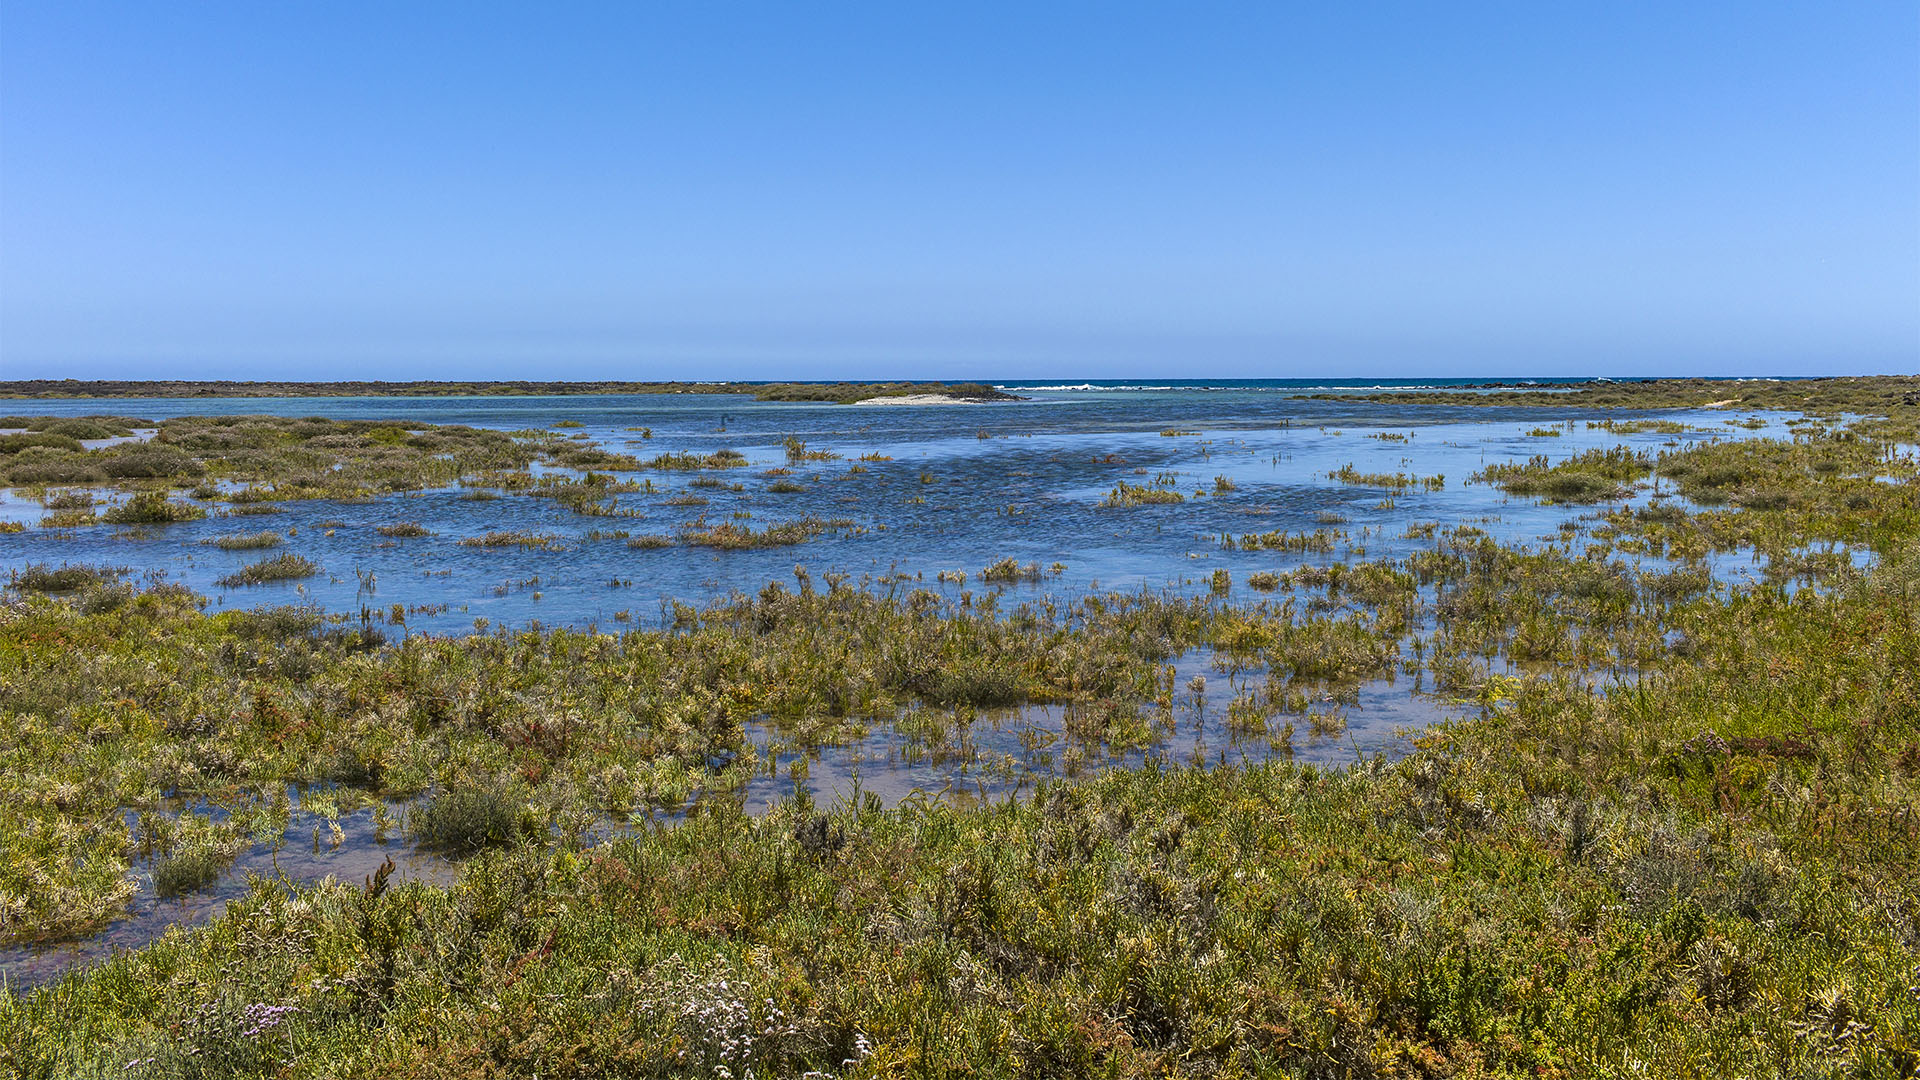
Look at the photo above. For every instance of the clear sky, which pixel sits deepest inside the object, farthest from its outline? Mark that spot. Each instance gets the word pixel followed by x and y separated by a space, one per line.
pixel 836 190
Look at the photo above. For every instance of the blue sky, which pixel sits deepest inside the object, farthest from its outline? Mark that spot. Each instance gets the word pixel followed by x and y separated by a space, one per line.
pixel 728 190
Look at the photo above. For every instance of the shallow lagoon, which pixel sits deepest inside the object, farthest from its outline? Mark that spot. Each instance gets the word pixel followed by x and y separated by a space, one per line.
pixel 941 489
pixel 964 486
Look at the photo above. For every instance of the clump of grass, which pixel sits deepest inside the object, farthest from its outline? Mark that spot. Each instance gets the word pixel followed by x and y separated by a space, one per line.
pixel 649 543
pixel 1263 580
pixel 797 451
pixel 1319 541
pixel 151 508
pixel 68 519
pixel 41 578
pixel 404 530
pixel 1347 474
pixel 1168 433
pixel 1009 570
pixel 1635 427
pixel 14 444
pixel 1545 433
pixel 287 567
pixel 193 868
pixel 501 538
pixel 150 462
pixel 1593 476
pixel 731 537
pixel 76 427
pixel 1125 494
pixel 467 819
pixel 245 541
pixel 785 487
pixel 568 424
pixel 70 499
pixel 688 460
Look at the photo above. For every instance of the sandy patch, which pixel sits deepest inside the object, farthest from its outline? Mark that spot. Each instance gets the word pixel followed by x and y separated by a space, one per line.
pixel 1718 404
pixel 918 399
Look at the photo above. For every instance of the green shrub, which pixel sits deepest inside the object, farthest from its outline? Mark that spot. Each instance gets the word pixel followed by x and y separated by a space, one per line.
pixel 13 444
pixel 278 568
pixel 151 508
pixel 39 577
pixel 145 461
pixel 245 541
pixel 468 819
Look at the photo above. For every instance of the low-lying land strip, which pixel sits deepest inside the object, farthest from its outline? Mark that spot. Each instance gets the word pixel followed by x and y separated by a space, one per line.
pixel 841 393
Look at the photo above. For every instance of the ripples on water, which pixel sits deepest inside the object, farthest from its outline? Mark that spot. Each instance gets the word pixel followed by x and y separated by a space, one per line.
pixel 966 486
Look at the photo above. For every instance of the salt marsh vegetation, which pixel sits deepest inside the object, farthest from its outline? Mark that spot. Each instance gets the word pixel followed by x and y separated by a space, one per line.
pixel 1668 827
pixel 277 568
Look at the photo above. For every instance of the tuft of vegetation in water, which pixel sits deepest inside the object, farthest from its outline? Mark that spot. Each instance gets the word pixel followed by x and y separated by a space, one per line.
pixel 731 537
pixel 467 819
pixel 68 519
pixel 41 578
pixel 1009 570
pixel 246 541
pixel 1347 474
pixel 403 530
pixel 688 460
pixel 797 451
pixel 70 499
pixel 198 851
pixel 1160 492
pixel 1637 427
pixel 1318 541
pixel 279 568
pixel 502 538
pixel 151 508
pixel 1592 476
